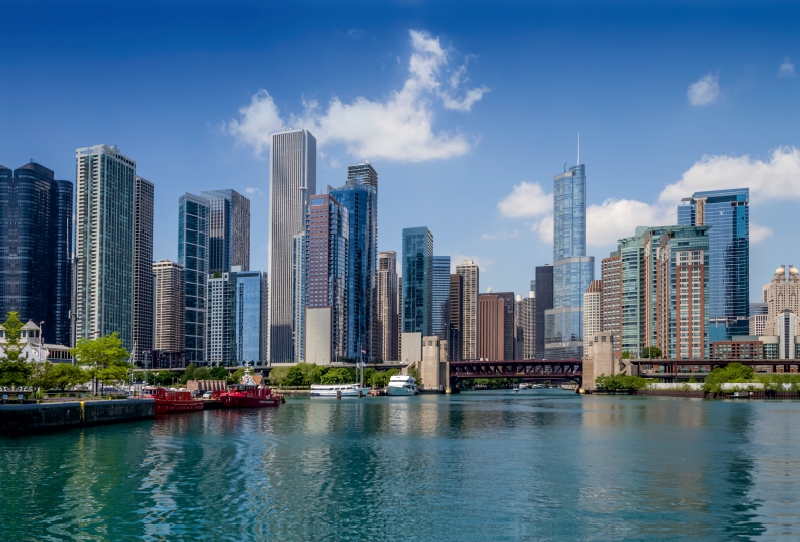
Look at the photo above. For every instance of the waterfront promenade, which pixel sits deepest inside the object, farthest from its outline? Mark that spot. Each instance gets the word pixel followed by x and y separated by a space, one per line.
pixel 544 464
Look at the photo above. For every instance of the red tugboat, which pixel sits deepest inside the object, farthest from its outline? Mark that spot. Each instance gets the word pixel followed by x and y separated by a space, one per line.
pixel 170 402
pixel 247 394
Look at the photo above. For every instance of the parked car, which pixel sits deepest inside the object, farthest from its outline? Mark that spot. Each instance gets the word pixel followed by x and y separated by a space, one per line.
pixel 207 395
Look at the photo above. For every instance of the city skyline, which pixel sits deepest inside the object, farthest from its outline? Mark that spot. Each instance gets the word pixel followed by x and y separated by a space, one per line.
pixel 683 106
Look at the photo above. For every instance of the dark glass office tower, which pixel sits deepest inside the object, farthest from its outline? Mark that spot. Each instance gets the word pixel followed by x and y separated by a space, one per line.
pixel 228 230
pixel 455 317
pixel 193 213
pixel 36 248
pixel 728 214
pixel 544 301
pixel 417 281
pixel 441 294
pixel 360 197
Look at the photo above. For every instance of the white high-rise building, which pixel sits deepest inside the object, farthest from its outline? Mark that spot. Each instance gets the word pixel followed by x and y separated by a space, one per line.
pixel 292 179
pixel 469 337
pixel 219 348
pixel 529 326
pixel 169 279
pixel 104 235
pixel 592 314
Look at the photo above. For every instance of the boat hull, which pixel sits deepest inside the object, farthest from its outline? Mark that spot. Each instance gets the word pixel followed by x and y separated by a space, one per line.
pixel 162 406
pixel 346 392
pixel 237 401
pixel 400 390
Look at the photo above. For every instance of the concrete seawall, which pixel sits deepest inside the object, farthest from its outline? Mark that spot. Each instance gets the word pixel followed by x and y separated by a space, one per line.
pixel 42 418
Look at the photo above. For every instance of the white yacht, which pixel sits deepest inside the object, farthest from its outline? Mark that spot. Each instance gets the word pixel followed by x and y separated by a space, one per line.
pixel 402 385
pixel 524 386
pixel 332 390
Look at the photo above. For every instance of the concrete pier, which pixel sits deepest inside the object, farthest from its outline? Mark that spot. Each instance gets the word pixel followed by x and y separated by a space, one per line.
pixel 41 418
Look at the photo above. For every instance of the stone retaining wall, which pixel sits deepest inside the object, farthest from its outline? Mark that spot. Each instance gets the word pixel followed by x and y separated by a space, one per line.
pixel 40 418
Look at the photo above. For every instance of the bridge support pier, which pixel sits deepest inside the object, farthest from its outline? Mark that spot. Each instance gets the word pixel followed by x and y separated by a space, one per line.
pixel 600 361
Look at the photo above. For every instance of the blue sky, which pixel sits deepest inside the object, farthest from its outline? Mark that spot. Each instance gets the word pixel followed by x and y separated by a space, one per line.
pixel 466 109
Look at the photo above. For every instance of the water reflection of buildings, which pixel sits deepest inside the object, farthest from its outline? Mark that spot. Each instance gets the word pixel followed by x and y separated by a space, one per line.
pixel 678 463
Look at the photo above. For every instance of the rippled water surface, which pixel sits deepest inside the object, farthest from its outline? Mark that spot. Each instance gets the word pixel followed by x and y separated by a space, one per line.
pixel 476 466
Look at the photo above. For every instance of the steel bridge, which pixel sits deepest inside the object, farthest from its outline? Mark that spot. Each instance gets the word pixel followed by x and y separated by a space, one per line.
pixel 526 369
pixel 684 369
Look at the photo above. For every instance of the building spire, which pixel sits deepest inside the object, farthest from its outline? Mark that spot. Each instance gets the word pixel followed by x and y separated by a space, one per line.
pixel 579 149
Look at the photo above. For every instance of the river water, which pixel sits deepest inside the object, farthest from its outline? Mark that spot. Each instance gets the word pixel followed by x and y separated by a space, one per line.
pixel 542 464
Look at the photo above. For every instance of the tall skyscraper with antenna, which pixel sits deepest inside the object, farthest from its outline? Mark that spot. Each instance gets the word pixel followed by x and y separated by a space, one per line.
pixel 573 271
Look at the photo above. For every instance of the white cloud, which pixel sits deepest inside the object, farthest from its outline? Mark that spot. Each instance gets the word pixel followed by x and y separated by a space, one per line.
pixel 786 68
pixel 776 178
pixel 544 228
pixel 759 233
pixel 526 199
pixel 400 127
pixel 456 258
pixel 259 121
pixel 254 191
pixel 502 235
pixel 705 91
pixel 615 219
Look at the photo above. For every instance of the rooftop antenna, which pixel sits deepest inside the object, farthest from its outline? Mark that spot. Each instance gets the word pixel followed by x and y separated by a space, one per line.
pixel 565 167
pixel 579 149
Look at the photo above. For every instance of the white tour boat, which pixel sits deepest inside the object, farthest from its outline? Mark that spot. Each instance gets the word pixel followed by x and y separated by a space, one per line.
pixel 402 385
pixel 332 390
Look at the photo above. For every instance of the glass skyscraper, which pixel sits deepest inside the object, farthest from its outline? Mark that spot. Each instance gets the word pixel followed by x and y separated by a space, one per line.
pixel 250 319
pixel 36 239
pixel 441 295
pixel 573 271
pixel 327 243
pixel 228 231
pixel 542 285
pixel 360 197
pixel 193 224
pixel 104 243
pixel 417 281
pixel 728 214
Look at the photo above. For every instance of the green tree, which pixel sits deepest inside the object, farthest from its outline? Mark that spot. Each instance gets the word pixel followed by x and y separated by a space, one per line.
pixel 218 373
pixel 620 382
pixel 626 355
pixel 67 375
pixel 202 373
pixel 338 375
pixel 42 376
pixel 295 377
pixel 14 370
pixel 166 378
pixel 312 373
pixel 733 372
pixel 413 372
pixel 188 373
pixel 237 375
pixel 104 358
pixel 651 352
pixel 277 376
